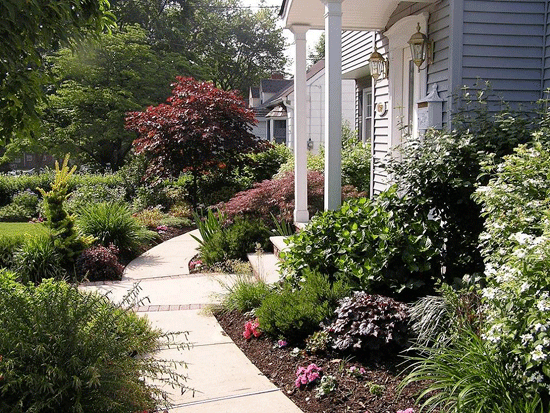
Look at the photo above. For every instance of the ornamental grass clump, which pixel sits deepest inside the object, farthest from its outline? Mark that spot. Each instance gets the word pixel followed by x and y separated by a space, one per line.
pixel 113 223
pixel 64 350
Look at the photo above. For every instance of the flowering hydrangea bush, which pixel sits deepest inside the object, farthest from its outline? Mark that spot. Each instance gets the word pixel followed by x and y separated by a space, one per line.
pixel 252 328
pixel 516 248
pixel 306 375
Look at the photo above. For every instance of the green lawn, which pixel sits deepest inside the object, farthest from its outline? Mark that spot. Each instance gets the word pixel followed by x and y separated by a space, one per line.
pixel 21 228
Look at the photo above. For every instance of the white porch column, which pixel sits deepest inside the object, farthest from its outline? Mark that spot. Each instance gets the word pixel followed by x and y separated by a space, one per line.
pixel 301 214
pixel 333 104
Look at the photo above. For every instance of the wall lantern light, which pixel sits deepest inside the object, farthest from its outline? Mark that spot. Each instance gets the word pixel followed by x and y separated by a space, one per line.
pixel 310 144
pixel 378 64
pixel 421 48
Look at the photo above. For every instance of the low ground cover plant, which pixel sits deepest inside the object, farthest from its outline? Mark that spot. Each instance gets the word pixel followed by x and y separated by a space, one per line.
pixel 63 350
pixel 98 263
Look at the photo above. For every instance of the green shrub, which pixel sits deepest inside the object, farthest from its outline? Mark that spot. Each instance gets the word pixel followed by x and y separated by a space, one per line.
pixel 372 243
pixel 219 243
pixel 8 247
pixel 295 313
pixel 88 193
pixel 438 174
pixel 263 165
pixel 68 351
pixel 23 207
pixel 38 259
pixel 468 377
pixel 113 223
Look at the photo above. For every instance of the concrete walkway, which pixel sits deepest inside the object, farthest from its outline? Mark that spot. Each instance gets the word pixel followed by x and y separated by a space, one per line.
pixel 224 379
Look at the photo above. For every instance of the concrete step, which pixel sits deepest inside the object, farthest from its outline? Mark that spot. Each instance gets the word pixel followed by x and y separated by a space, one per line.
pixel 279 244
pixel 265 266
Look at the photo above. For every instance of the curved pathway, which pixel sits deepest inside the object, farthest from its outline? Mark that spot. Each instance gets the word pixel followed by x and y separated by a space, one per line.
pixel 224 380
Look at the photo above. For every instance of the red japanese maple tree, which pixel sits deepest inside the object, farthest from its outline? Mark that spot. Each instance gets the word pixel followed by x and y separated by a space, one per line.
pixel 199 128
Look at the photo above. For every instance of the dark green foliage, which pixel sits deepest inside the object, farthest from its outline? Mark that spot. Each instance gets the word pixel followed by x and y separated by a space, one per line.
pixel 8 247
pixel 439 173
pixel 23 207
pixel 369 323
pixel 234 241
pixel 356 157
pixel 113 223
pixel 263 165
pixel 98 263
pixel 68 351
pixel 295 313
pixel 374 244
pixel 38 259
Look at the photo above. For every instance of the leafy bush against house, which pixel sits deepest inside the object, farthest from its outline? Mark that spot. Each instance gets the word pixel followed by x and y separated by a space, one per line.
pixel 438 174
pixel 366 322
pixel 374 244
pixel 199 129
pixel 63 350
pixel 275 198
pixel 516 249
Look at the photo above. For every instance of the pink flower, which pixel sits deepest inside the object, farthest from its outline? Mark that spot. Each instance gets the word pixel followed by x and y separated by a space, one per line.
pixel 409 410
pixel 307 375
pixel 282 343
pixel 251 328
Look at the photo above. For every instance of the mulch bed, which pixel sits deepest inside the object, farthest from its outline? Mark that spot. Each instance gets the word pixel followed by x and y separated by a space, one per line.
pixel 374 392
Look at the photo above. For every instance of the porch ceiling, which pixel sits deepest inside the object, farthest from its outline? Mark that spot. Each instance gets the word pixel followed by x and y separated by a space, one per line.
pixel 356 14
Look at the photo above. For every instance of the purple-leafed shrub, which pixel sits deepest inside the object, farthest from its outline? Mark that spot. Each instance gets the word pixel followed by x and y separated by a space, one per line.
pixel 99 263
pixel 369 322
pixel 276 196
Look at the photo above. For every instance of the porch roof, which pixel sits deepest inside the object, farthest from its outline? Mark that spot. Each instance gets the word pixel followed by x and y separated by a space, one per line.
pixel 356 14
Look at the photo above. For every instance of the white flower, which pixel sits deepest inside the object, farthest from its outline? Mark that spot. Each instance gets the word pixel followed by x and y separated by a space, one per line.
pixel 520 237
pixel 538 353
pixel 543 305
pixel 525 338
pixel 525 286
pixel 489 293
pixel 536 377
pixel 540 327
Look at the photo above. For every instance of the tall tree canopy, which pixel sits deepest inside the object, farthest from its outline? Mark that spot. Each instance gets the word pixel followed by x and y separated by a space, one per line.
pixel 94 89
pixel 200 128
pixel 237 47
pixel 27 28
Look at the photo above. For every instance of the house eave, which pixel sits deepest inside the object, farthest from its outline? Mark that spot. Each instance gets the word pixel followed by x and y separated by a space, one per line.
pixel 356 14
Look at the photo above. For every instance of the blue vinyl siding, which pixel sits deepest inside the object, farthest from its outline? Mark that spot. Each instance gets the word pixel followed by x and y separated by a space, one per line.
pixel 503 43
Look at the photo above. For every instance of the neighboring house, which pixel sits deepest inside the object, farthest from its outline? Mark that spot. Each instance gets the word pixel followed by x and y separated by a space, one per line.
pixel 275 116
pixel 28 162
pixel 500 41
pixel 259 97
pixel 282 109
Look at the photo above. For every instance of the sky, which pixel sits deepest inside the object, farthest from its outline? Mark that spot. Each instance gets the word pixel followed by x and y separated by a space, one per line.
pixel 312 35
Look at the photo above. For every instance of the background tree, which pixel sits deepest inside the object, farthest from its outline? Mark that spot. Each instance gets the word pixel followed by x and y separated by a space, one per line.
pixel 94 89
pixel 318 51
pixel 200 129
pixel 236 46
pixel 27 29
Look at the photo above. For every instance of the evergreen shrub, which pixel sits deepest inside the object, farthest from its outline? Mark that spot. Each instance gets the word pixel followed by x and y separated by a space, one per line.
pixel 295 313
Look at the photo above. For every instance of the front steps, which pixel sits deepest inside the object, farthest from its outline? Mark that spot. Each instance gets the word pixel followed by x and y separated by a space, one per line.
pixel 265 266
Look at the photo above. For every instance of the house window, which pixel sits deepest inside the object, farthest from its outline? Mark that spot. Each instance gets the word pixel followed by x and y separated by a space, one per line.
pixel 279 131
pixel 366 133
pixel 29 158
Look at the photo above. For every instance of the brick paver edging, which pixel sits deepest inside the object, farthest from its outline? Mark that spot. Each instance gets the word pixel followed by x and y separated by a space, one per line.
pixel 177 307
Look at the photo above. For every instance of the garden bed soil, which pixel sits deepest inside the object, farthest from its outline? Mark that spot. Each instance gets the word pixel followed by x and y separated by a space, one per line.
pixel 375 391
